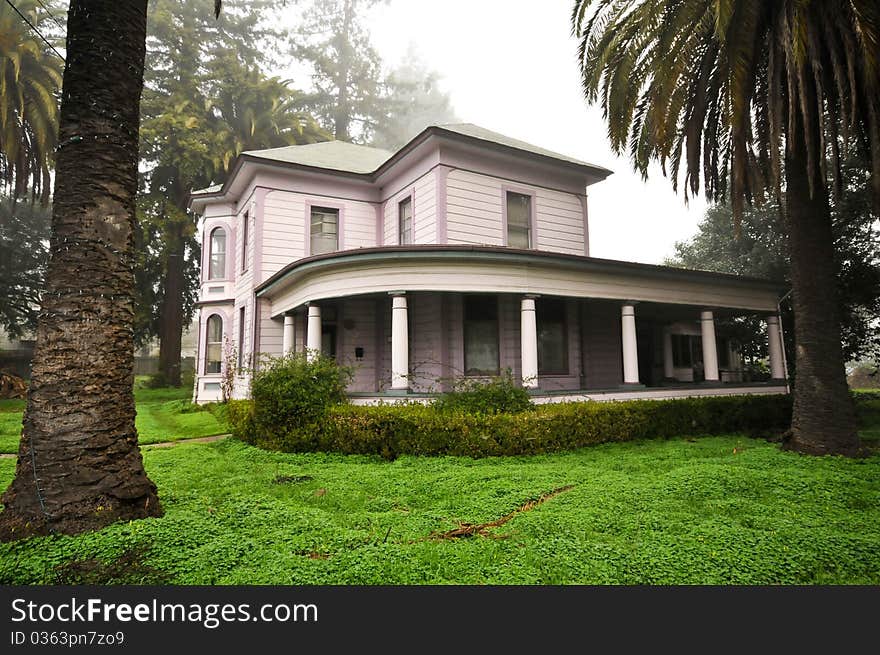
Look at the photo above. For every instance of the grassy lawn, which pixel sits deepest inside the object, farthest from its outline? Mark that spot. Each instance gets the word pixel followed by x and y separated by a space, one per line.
pixel 710 510
pixel 162 415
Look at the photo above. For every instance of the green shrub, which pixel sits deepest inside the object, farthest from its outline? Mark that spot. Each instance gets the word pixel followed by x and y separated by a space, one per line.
pixel 498 395
pixel 293 393
pixel 391 430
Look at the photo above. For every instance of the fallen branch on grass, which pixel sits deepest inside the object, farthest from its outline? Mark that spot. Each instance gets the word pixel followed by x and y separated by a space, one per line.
pixel 482 529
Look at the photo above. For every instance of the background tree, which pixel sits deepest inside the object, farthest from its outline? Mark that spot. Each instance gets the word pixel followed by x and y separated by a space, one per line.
pixel 353 97
pixel 79 466
pixel 206 101
pixel 760 249
pixel 416 101
pixel 30 78
pixel 742 94
pixel 24 252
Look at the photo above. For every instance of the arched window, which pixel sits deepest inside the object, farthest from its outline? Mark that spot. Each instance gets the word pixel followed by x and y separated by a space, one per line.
pixel 217 254
pixel 214 344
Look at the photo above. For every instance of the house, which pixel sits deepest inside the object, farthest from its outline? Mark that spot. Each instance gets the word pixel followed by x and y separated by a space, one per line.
pixel 464 253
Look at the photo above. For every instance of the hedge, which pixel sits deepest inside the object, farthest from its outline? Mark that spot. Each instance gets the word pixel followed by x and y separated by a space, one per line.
pixel 392 430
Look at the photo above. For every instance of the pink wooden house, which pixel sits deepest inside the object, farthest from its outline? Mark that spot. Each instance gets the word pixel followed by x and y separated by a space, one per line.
pixel 464 253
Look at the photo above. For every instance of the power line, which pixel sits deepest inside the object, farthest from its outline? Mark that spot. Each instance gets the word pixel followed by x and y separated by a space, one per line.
pixel 35 30
pixel 50 14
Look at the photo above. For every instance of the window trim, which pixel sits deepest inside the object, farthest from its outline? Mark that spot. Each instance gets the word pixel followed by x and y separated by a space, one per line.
pixel 499 340
pixel 340 223
pixel 245 231
pixel 533 213
pixel 411 198
pixel 565 336
pixel 242 335
pixel 221 318
pixel 210 252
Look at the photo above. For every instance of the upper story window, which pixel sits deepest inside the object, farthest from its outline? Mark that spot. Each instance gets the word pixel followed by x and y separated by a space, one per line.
pixel 324 230
pixel 519 220
pixel 217 254
pixel 244 242
pixel 405 221
pixel 213 344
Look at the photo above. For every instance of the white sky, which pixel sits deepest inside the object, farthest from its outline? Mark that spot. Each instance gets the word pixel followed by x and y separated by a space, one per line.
pixel 510 66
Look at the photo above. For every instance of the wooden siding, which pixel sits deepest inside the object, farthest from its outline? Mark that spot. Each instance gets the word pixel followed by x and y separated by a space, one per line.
pixel 271 332
pixel 284 230
pixel 425 210
pixel 285 227
pixel 426 335
pixel 560 220
pixel 357 329
pixel 424 194
pixel 474 210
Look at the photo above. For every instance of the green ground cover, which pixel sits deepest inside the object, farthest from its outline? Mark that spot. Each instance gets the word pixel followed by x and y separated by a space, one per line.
pixel 164 414
pixel 707 510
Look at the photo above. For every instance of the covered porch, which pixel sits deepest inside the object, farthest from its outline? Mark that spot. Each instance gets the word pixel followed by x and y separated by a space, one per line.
pixel 407 332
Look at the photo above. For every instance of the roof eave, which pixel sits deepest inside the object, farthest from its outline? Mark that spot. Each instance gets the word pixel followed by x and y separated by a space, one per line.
pixel 503 251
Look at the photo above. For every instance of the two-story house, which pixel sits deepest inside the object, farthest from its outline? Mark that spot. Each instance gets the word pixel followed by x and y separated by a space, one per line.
pixel 464 253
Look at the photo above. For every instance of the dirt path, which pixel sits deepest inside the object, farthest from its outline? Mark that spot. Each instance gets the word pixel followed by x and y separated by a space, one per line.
pixel 161 444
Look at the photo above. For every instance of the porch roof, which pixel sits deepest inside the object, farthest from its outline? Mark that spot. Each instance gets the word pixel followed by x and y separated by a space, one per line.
pixel 388 259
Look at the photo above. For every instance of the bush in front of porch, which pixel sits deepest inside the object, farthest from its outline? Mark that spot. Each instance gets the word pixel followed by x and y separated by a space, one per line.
pixel 393 430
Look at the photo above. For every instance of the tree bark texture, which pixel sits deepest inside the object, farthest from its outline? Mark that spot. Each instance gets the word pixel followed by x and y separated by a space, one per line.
pixel 824 419
pixel 171 318
pixel 79 467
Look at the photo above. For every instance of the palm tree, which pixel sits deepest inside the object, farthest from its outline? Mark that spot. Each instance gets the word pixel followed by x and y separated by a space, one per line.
pixel 79 466
pixel 751 96
pixel 30 78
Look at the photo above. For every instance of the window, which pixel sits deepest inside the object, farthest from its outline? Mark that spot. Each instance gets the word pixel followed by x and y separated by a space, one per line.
pixel 552 336
pixel 687 350
pixel 723 346
pixel 404 221
pixel 217 254
pixel 213 344
pixel 519 220
pixel 241 334
pixel 480 335
pixel 244 242
pixel 324 230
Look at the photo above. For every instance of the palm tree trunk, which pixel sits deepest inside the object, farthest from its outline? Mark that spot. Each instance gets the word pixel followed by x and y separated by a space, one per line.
pixel 823 421
pixel 79 467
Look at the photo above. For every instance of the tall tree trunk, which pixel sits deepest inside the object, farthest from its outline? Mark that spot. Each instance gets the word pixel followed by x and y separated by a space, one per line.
pixel 342 117
pixel 79 467
pixel 171 319
pixel 824 417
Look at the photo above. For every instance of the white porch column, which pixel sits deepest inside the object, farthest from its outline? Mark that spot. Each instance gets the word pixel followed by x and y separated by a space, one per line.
pixel 710 348
pixel 399 342
pixel 630 348
pixel 668 363
pixel 313 333
pixel 287 335
pixel 529 342
pixel 774 344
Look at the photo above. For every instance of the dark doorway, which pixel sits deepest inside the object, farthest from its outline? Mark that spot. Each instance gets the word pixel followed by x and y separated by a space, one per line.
pixel 645 345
